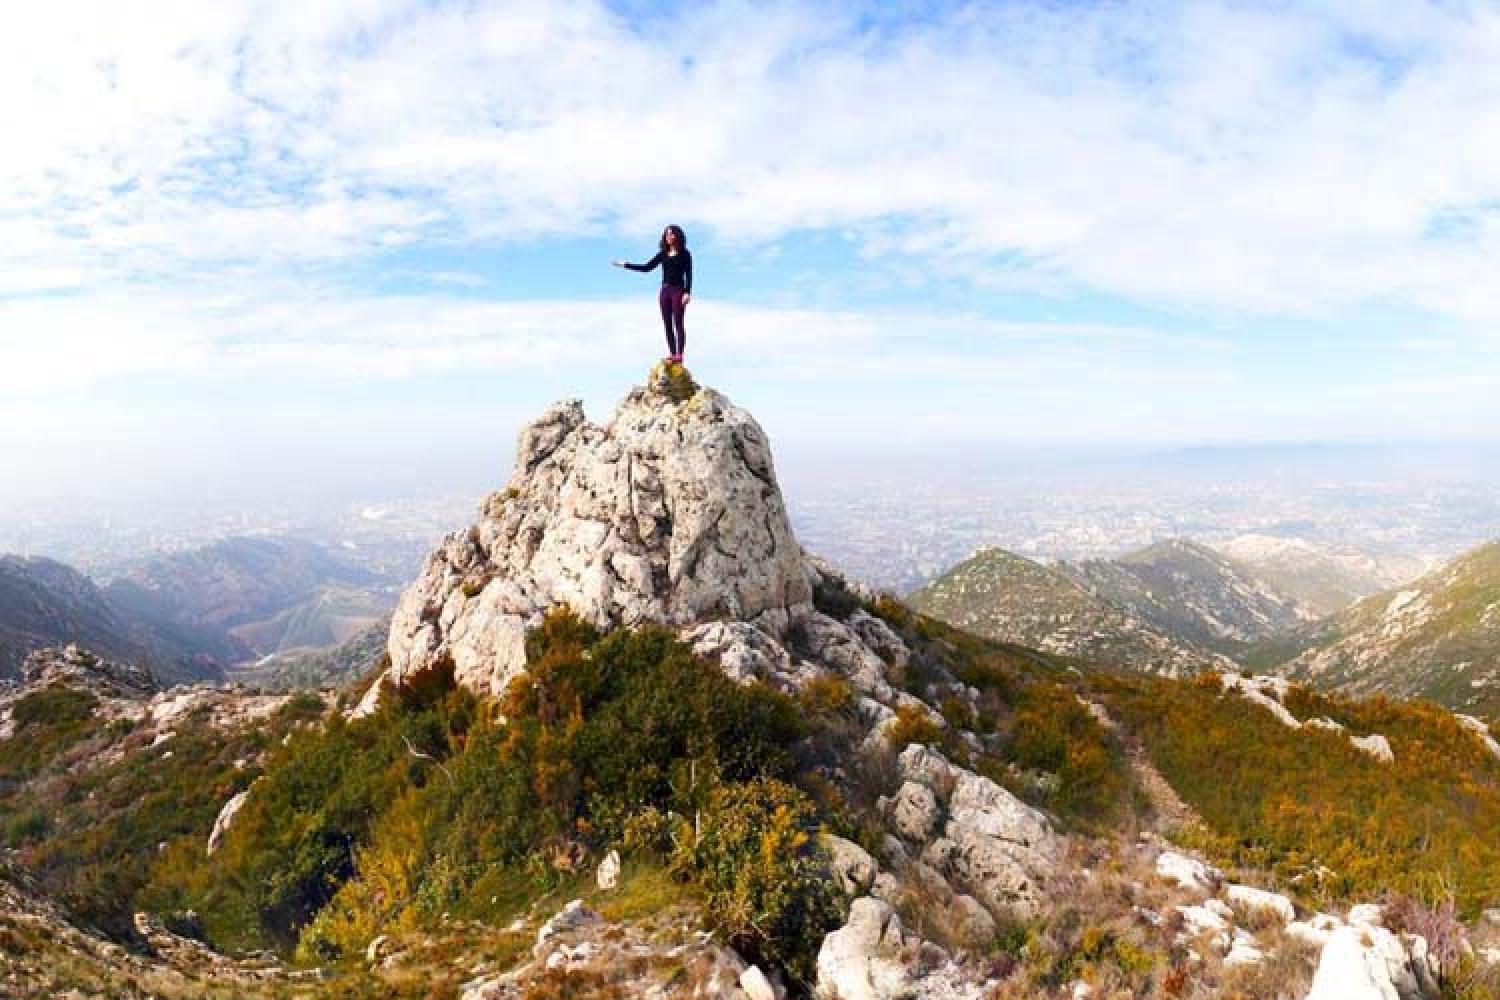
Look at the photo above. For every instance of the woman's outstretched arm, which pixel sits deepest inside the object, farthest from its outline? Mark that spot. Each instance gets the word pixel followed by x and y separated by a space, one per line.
pixel 648 266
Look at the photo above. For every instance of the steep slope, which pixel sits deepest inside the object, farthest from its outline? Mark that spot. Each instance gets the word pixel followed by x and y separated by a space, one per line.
pixel 1323 580
pixel 43 603
pixel 234 582
pixel 1003 596
pixel 1191 592
pixel 334 616
pixel 1437 637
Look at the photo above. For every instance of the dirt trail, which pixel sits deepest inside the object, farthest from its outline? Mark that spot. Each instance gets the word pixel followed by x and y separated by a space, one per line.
pixel 1170 815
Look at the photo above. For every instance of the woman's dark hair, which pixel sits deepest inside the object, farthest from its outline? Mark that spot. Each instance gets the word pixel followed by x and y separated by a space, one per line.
pixel 681 238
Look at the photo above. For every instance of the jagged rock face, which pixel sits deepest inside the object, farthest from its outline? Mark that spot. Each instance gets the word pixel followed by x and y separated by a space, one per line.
pixel 669 514
pixel 992 845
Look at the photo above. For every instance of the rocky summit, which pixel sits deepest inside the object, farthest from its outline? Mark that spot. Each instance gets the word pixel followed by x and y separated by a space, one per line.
pixel 669 513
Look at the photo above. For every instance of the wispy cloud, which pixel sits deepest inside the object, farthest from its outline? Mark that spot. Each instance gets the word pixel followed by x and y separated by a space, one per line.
pixel 227 333
pixel 1258 159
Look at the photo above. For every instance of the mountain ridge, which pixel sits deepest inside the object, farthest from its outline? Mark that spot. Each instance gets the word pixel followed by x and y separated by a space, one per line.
pixel 1436 637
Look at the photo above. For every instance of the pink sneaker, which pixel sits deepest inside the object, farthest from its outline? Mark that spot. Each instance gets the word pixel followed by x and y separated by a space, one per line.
pixel 677 358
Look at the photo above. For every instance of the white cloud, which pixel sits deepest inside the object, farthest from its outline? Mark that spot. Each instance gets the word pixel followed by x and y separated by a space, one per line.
pixel 1270 160
pixel 297 334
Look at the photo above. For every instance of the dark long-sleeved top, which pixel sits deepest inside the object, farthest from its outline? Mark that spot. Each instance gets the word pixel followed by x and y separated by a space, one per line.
pixel 676 269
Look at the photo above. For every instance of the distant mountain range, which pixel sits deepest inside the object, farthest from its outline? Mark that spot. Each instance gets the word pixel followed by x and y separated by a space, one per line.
pixel 1437 637
pixel 235 581
pixel 189 615
pixel 1001 595
pixel 1178 607
pixel 43 603
pixel 1174 607
pixel 1322 579
pixel 1189 591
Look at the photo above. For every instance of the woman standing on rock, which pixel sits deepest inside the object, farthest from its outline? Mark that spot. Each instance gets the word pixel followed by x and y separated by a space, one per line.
pixel 676 286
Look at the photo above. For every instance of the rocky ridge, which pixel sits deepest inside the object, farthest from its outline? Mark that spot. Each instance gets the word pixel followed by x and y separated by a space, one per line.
pixel 132 693
pixel 1194 593
pixel 45 954
pixel 670 513
pixel 1322 579
pixel 1004 596
pixel 43 603
pixel 1437 637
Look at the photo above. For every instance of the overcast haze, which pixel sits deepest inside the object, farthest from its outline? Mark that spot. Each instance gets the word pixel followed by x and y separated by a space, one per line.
pixel 280 240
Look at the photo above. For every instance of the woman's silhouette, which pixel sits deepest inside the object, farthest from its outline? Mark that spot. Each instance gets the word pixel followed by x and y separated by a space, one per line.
pixel 676 286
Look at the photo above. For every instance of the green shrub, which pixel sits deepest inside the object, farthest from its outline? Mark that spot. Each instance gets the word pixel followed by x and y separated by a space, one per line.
pixel 1052 731
pixel 826 694
pixel 673 380
pixel 607 739
pixel 834 599
pixel 913 725
pixel 24 827
pixel 753 853
pixel 47 723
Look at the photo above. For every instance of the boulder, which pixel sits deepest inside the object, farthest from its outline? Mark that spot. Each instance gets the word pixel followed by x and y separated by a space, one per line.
pixel 1249 900
pixel 864 959
pixel 1187 872
pixel 1315 930
pixel 994 846
pixel 1361 962
pixel 1243 951
pixel 608 875
pixel 758 987
pixel 853 868
pixel 973 922
pixel 1482 731
pixel 570 918
pixel 913 811
pixel 1205 923
pixel 1375 745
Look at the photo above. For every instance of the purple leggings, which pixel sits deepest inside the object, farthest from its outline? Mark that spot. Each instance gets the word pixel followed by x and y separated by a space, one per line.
pixel 672 310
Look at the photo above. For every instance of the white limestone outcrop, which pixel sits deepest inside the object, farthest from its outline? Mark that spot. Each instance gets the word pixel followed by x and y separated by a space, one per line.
pixel 1362 960
pixel 988 843
pixel 670 513
pixel 865 960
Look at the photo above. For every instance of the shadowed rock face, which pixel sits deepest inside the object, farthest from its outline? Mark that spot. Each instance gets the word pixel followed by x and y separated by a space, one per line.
pixel 670 513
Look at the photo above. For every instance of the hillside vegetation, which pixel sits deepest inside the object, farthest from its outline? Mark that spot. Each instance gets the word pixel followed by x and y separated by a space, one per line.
pixel 1437 637
pixel 1331 822
pixel 1004 596
pixel 443 803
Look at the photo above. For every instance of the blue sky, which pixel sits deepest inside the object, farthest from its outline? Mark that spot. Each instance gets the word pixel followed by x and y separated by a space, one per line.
pixel 256 236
